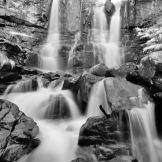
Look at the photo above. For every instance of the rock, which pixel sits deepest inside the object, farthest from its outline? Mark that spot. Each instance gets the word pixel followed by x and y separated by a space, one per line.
pixel 109 10
pixel 98 130
pixel 72 83
pixel 122 70
pixel 99 70
pixel 87 80
pixel 18 132
pixel 147 69
pixel 104 153
pixel 70 18
pixel 122 94
pixel 82 57
pixel 10 77
pixel 122 159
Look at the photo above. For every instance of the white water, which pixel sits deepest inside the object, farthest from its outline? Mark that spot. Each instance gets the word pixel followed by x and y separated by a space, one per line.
pixel 49 59
pixel 58 137
pixel 146 145
pixel 5 60
pixel 107 43
pixel 97 98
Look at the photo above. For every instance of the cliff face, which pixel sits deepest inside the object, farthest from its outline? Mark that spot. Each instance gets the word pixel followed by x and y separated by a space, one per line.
pixel 24 24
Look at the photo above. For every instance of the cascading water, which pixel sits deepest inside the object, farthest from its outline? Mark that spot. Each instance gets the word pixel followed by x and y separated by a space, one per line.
pixel 58 137
pixel 146 145
pixel 107 46
pixel 49 58
pixel 98 94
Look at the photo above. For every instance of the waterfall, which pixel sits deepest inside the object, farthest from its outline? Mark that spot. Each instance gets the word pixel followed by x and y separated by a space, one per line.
pixel 106 42
pixel 49 59
pixel 97 98
pixel 59 136
pixel 146 145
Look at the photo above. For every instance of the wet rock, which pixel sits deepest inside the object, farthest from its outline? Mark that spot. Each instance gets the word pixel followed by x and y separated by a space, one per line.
pixel 86 19
pixel 82 57
pixel 122 94
pixel 70 19
pixel 18 132
pixel 10 77
pixel 87 80
pixel 72 83
pixel 122 70
pixel 109 10
pixel 104 153
pixel 98 130
pixel 99 70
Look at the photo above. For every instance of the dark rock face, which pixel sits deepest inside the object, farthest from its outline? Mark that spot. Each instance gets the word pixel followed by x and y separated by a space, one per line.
pixel 99 140
pixel 98 131
pixel 18 133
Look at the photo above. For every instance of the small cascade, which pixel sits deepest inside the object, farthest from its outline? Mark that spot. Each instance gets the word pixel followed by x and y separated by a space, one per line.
pixel 146 145
pixel 5 60
pixel 26 85
pixel 59 135
pixel 61 105
pixel 49 53
pixel 98 97
pixel 106 42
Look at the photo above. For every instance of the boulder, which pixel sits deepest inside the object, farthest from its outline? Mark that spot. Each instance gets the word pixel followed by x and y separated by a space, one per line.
pixel 18 133
pixel 72 83
pixel 123 95
pixel 109 8
pixel 98 130
pixel 99 70
pixel 123 70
